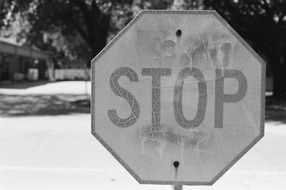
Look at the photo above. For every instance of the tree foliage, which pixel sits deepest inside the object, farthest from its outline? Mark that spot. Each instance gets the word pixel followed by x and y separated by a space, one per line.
pixel 68 24
pixel 77 28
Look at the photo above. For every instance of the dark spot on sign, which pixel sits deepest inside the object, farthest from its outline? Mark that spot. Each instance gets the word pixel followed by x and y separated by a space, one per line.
pixel 178 33
pixel 176 164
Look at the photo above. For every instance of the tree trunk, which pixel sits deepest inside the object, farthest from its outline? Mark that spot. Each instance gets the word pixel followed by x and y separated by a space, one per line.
pixel 99 41
pixel 99 33
pixel 95 25
pixel 277 82
pixel 279 77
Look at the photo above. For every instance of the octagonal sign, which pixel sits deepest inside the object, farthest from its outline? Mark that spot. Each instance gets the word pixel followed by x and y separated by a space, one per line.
pixel 178 97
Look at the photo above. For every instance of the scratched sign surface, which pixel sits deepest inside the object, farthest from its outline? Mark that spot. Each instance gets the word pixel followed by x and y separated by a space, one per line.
pixel 178 87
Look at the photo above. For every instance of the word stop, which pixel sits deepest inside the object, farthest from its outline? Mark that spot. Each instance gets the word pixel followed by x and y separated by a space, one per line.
pixel 156 74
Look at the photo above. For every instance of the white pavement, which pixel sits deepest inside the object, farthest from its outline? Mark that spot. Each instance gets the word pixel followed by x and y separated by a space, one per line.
pixel 59 152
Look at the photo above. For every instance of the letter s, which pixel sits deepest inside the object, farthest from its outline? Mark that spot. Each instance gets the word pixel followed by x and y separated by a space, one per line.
pixel 135 110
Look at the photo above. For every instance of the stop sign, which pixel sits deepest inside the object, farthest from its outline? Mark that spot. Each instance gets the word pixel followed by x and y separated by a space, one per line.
pixel 178 97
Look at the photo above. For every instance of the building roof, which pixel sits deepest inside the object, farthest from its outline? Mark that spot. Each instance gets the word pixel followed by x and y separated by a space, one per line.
pixel 10 47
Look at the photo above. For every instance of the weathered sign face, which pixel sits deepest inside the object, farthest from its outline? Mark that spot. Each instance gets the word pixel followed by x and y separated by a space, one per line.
pixel 178 88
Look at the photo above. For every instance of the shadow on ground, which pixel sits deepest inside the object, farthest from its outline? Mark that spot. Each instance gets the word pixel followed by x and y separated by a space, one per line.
pixel 26 105
pixel 22 85
pixel 63 104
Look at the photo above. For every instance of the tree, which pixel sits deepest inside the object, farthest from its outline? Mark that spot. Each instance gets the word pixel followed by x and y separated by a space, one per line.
pixel 263 23
pixel 77 28
pixel 65 19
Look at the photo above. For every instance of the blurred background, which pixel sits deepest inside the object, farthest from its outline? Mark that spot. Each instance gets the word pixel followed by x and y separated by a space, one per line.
pixel 45 52
pixel 47 41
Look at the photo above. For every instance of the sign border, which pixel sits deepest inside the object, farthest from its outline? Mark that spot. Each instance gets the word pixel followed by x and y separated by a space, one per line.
pixel 240 39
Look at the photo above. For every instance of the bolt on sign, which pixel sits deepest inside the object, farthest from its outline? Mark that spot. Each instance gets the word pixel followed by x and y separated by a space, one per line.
pixel 178 97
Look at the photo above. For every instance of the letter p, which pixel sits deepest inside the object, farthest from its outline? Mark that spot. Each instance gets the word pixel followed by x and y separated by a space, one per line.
pixel 221 98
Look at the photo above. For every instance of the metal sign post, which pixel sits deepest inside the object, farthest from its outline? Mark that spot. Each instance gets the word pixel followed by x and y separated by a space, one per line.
pixel 178 187
pixel 178 97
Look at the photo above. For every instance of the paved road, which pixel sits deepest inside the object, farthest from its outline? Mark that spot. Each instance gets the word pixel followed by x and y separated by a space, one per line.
pixel 58 152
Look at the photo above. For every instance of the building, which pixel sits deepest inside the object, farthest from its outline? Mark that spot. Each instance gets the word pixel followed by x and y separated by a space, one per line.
pixel 72 70
pixel 19 63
